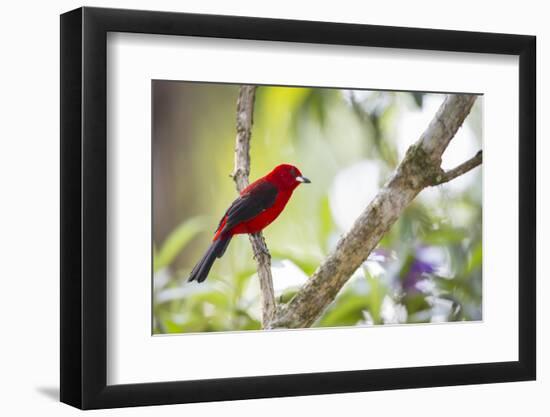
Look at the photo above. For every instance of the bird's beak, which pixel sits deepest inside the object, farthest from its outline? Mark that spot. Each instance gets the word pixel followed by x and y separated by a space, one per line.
pixel 303 179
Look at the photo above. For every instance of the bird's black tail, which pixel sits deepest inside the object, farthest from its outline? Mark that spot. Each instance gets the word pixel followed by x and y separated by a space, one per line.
pixel 216 250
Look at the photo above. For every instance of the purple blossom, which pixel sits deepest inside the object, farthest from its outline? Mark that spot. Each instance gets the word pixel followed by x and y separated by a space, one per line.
pixel 417 272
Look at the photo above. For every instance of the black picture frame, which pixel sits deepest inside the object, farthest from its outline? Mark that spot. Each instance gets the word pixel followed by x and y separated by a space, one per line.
pixel 84 207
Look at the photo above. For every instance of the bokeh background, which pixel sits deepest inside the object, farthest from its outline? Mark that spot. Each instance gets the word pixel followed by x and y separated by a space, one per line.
pixel 428 268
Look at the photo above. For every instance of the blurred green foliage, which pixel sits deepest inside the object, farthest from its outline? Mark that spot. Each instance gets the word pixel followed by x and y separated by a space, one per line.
pixel 428 268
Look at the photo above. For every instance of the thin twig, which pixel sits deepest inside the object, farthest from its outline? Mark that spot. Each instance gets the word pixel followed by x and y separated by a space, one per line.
pixel 245 113
pixel 463 168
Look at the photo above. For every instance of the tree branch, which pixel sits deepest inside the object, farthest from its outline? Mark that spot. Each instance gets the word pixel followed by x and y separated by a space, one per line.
pixel 463 168
pixel 420 168
pixel 445 124
pixel 245 112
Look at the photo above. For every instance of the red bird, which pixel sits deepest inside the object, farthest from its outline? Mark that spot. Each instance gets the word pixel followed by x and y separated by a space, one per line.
pixel 258 205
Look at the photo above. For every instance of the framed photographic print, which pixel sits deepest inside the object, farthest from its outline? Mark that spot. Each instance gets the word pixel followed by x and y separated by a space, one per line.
pixel 257 208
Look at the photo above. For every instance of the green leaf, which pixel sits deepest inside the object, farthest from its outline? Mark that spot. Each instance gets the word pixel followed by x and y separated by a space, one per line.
pixel 287 295
pixel 415 302
pixel 376 295
pixel 445 236
pixel 475 259
pixel 171 327
pixel 177 240
pixel 215 298
pixel 347 311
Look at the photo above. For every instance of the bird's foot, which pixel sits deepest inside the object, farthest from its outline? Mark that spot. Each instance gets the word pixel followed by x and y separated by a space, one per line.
pixel 261 248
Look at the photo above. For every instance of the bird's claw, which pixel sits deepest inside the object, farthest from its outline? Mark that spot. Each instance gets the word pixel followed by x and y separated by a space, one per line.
pixel 262 252
pixel 261 249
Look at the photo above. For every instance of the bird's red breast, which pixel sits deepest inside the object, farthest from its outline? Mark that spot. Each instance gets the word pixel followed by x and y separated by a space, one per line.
pixel 261 202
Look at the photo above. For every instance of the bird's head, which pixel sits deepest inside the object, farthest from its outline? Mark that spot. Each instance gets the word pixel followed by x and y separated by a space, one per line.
pixel 287 177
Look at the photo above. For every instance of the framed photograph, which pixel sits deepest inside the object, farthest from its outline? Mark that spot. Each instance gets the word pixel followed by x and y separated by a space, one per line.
pixel 257 208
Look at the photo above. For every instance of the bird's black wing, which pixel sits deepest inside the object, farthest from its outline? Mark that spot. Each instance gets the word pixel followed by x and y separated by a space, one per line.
pixel 255 199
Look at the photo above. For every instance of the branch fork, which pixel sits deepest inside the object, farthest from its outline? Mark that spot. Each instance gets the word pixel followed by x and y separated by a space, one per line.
pixel 420 168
